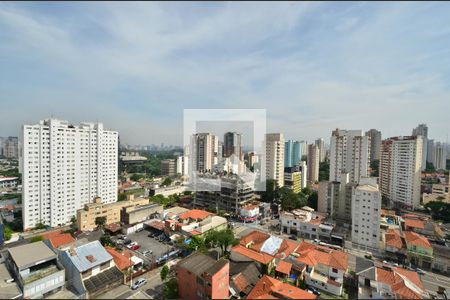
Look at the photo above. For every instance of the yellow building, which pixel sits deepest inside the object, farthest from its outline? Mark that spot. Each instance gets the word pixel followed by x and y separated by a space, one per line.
pixel 112 211
pixel 293 179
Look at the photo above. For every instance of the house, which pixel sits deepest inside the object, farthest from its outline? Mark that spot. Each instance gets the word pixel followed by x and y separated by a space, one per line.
pixel 194 215
pixel 271 288
pixel 306 223
pixel 125 260
pixel 390 283
pixel 202 277
pixel 419 250
pixel 395 246
pixel 58 240
pixel 325 267
pixel 441 255
pixel 36 269
pixel 243 277
pixel 90 269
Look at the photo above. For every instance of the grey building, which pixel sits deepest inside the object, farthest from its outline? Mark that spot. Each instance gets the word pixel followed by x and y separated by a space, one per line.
pixel 375 144
pixel 36 269
pixel 422 130
pixel 169 167
pixel 232 144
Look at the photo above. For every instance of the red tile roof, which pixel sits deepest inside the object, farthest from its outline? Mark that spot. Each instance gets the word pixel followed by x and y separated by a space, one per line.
pixel 414 223
pixel 255 237
pixel 416 239
pixel 394 239
pixel 60 240
pixel 286 248
pixel 240 281
pixel 195 214
pixel 122 260
pixel 396 279
pixel 48 235
pixel 284 267
pixel 261 257
pixel 312 255
pixel 271 288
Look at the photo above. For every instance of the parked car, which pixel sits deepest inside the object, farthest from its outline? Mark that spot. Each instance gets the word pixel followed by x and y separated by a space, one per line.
pixel 147 252
pixel 316 241
pixel 140 282
pixel 130 245
pixel 314 291
pixel 127 241
pixel 135 247
pixel 420 271
pixel 293 237
pixel 140 229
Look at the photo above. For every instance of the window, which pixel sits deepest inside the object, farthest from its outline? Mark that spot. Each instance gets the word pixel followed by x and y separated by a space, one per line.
pixel 334 270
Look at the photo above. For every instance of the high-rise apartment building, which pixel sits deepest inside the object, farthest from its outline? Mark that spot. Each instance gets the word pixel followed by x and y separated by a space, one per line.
pixel 275 157
pixel 304 171
pixel 440 156
pixel 182 165
pixel 422 130
pixel 349 153
pixel 366 213
pixel 232 144
pixel 431 153
pixel 64 167
pixel 292 153
pixel 400 170
pixel 313 164
pixel 204 153
pixel 375 144
pixel 169 167
pixel 320 143
pixel 9 147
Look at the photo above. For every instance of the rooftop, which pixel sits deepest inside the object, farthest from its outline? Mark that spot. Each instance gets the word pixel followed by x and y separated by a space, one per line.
pixel 121 259
pixel 196 214
pixel 416 239
pixel 263 258
pixel 61 240
pixel 284 267
pixel 29 254
pixel 199 263
pixel 394 239
pixel 8 290
pixel 271 288
pixel 312 255
pixel 89 255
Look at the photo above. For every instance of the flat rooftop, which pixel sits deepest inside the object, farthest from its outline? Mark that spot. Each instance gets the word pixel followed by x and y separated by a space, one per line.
pixel 27 255
pixel 8 290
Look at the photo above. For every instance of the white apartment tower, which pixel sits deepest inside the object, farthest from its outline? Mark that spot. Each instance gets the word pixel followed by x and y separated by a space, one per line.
pixel 349 153
pixel 64 167
pixel 275 157
pixel 320 143
pixel 400 170
pixel 313 164
pixel 422 130
pixel 182 165
pixel 440 156
pixel 366 213
pixel 205 151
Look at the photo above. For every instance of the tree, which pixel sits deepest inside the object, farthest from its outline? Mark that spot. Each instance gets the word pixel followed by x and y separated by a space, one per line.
pixel 170 290
pixel 100 221
pixel 122 197
pixel 7 232
pixel 36 239
pixel 291 200
pixel 164 272
pixel 439 210
pixel 167 181
pixel 39 226
pixel 221 238
pixel 313 200
pixel 429 167
pixel 272 191
pixel 105 240
pixel 135 177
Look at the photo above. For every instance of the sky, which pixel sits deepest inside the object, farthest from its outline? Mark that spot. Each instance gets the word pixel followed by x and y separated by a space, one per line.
pixel 313 66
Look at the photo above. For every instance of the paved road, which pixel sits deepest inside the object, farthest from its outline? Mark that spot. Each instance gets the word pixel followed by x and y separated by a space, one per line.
pixel 431 282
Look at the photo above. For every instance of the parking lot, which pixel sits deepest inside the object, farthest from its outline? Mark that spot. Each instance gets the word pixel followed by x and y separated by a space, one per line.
pixel 148 243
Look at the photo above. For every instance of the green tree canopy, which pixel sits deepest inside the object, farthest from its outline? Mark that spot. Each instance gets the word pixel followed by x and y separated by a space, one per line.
pixel 164 272
pixel 170 290
pixel 100 221
pixel 272 191
pixel 167 181
pixel 324 171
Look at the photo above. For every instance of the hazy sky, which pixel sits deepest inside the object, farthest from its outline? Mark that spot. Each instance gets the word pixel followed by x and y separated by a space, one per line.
pixel 313 66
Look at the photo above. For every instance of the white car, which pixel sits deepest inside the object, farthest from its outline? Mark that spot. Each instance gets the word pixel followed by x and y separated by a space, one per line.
pixel 140 282
pixel 147 252
pixel 131 245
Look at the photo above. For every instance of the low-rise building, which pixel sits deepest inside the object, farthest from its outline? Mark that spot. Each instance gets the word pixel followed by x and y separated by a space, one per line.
pixel 173 212
pixel 243 277
pixel 390 283
pixel 271 288
pixel 36 269
pixel 395 246
pixel 90 269
pixel 325 267
pixel 201 277
pixel 306 223
pixel 249 212
pixel 8 182
pixel 441 258
pixel 125 260
pixel 419 250
pixel 86 217
pixel 169 167
pixel 167 191
pixel 439 192
pixel 137 214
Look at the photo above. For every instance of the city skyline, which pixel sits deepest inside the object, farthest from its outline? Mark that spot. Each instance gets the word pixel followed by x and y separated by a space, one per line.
pixel 136 67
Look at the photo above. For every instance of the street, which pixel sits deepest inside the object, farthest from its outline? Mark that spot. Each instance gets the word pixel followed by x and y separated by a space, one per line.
pixel 153 289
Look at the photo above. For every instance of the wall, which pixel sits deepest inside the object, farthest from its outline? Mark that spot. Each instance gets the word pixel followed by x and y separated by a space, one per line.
pixel 44 285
